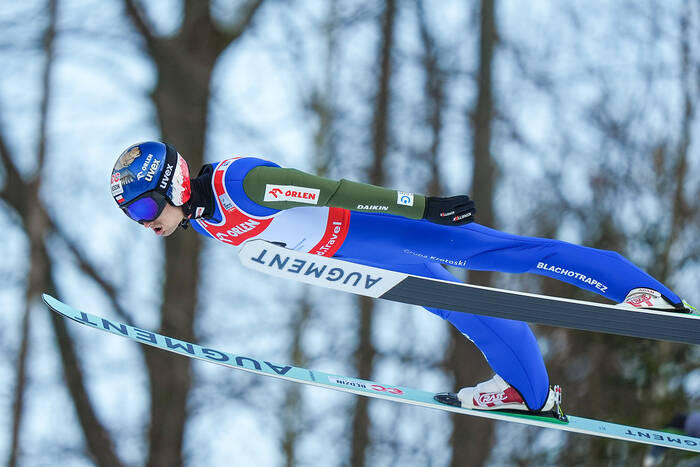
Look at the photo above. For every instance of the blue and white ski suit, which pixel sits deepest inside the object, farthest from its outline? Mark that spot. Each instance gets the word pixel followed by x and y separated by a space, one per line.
pixel 420 247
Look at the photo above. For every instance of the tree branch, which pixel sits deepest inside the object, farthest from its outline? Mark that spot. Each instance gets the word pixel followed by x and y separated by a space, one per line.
pixel 244 17
pixel 140 21
pixel 97 438
pixel 88 268
pixel 14 191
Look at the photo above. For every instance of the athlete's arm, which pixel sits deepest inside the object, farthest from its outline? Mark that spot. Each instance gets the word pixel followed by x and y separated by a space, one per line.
pixel 282 188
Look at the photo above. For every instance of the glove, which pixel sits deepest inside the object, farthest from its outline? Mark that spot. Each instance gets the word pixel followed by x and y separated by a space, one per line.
pixel 455 210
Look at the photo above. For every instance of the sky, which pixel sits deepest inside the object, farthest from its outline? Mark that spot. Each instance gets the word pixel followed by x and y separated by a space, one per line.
pixel 99 107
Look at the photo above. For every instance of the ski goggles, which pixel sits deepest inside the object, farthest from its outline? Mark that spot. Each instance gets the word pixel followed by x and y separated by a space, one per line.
pixel 146 207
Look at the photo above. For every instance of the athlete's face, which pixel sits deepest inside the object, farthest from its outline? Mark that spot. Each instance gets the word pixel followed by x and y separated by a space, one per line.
pixel 167 222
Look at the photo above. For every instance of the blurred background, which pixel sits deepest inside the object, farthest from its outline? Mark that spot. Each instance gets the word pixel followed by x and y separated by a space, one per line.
pixel 569 120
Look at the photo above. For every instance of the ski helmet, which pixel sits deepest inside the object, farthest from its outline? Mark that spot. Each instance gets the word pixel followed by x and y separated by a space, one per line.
pixel 146 177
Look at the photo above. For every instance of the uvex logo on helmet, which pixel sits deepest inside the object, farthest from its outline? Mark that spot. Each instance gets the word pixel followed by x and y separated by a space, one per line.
pixel 148 172
pixel 166 176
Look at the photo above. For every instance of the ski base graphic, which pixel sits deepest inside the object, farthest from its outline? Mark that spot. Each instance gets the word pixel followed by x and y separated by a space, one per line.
pixel 427 292
pixel 400 394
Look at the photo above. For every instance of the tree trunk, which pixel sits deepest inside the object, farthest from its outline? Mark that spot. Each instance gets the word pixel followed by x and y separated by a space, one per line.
pixel 380 136
pixel 37 227
pixel 185 62
pixel 181 99
pixel 472 439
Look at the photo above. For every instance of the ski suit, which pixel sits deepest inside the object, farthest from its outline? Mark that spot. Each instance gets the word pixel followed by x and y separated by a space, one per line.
pixel 374 226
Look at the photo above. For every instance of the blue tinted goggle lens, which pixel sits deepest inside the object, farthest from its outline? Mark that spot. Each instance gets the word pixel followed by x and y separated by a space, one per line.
pixel 144 209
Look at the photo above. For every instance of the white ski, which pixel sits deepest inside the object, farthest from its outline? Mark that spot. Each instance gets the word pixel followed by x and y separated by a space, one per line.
pixel 399 287
pixel 400 394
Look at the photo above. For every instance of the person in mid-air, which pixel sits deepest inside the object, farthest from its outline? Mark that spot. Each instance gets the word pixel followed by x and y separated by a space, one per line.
pixel 242 198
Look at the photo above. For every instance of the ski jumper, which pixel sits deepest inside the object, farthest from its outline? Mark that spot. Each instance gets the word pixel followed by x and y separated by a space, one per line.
pixel 374 226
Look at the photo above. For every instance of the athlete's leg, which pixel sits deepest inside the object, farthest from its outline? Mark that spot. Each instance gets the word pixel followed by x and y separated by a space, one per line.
pixel 477 247
pixel 605 272
pixel 509 346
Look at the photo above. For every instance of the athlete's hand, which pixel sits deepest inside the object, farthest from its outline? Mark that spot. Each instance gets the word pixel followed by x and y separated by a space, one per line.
pixel 455 210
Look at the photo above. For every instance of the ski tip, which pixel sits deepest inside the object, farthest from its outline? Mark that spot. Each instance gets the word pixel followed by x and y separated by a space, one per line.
pixel 50 301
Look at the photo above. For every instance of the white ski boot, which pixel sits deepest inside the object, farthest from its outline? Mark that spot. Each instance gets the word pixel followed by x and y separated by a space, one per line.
pixel 650 299
pixel 496 394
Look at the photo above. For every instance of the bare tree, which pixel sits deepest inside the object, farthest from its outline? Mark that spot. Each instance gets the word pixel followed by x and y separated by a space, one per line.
pixel 22 194
pixel 319 100
pixel 35 224
pixel 365 353
pixel 435 95
pixel 639 202
pixel 185 61
pixel 466 364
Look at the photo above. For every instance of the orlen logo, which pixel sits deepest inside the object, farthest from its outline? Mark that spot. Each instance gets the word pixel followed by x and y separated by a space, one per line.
pixel 275 192
pixel 237 230
pixel 297 194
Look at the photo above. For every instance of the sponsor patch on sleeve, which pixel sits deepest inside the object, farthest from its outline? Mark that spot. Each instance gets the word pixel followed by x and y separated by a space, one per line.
pixel 403 198
pixel 297 194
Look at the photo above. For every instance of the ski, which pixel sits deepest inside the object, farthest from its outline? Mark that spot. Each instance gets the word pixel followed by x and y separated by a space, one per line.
pixel 406 288
pixel 400 394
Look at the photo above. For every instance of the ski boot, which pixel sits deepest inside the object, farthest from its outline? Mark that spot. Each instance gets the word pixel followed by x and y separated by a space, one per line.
pixel 496 394
pixel 650 299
